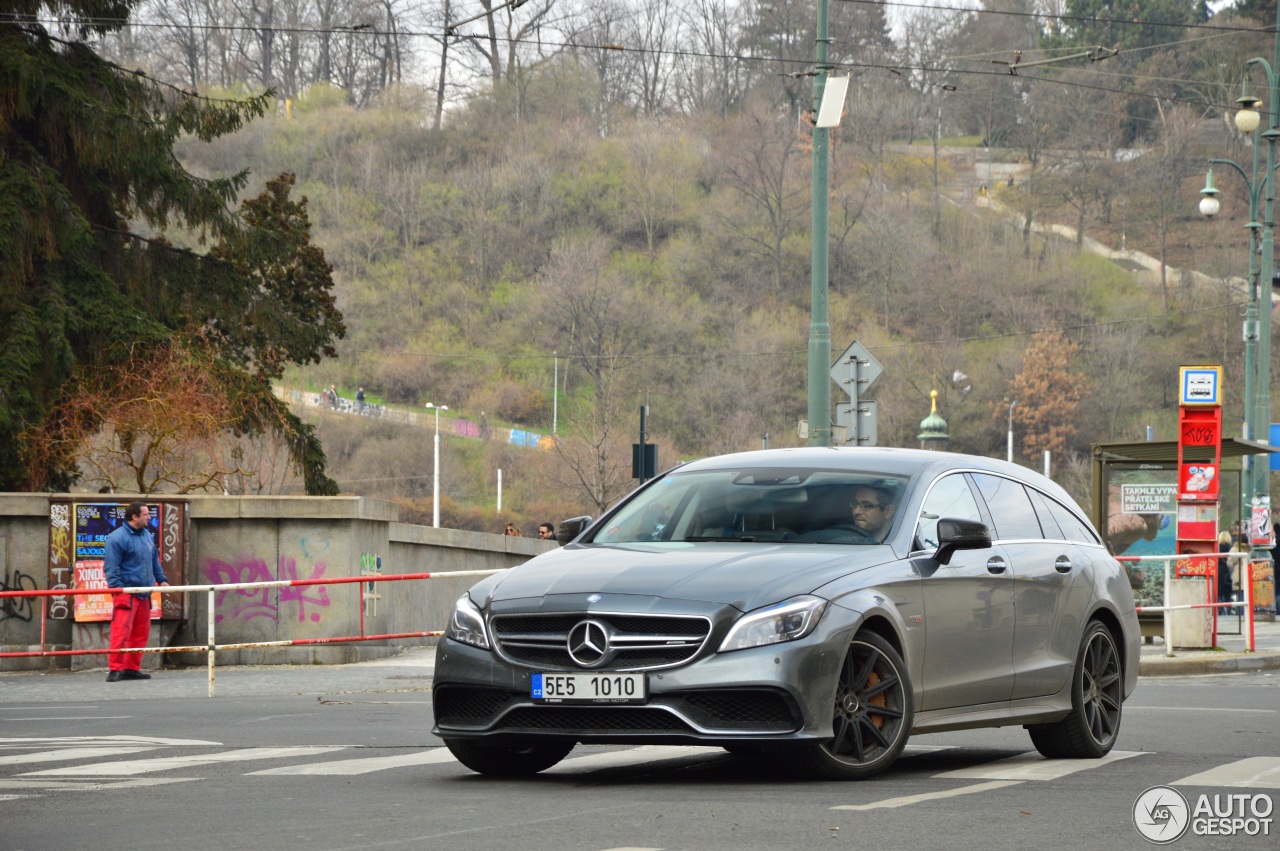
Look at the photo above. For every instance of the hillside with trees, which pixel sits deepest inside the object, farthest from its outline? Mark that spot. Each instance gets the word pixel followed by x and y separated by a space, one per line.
pixel 617 196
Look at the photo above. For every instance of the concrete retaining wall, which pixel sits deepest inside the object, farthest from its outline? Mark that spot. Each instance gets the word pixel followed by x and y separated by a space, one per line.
pixel 246 539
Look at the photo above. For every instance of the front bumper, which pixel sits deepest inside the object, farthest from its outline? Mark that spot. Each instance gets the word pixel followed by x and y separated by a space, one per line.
pixel 775 694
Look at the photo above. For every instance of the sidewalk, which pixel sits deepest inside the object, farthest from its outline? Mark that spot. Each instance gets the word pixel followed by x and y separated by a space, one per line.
pixel 410 672
pixel 1231 657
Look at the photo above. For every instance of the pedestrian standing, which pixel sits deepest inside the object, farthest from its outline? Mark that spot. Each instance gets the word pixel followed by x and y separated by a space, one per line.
pixel 546 531
pixel 360 399
pixel 131 560
pixel 512 531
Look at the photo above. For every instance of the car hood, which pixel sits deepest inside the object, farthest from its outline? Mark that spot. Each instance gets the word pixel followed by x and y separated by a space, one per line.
pixel 745 576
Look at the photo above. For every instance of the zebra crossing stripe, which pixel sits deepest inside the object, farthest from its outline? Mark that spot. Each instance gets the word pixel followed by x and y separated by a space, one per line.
pixel 66 754
pixel 906 800
pixel 1032 766
pixel 346 767
pixel 130 767
pixel 89 785
pixel 631 756
pixel 1258 772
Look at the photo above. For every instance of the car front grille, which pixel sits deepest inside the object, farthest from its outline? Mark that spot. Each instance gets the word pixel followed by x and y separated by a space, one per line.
pixel 716 710
pixel 637 642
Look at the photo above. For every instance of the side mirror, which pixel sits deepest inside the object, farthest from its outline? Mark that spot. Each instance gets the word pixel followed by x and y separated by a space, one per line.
pixel 571 528
pixel 955 534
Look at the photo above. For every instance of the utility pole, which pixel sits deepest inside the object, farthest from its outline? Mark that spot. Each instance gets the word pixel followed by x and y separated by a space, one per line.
pixel 819 326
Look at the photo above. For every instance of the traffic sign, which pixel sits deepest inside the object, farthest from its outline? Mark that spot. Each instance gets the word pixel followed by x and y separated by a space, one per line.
pixel 855 370
pixel 864 432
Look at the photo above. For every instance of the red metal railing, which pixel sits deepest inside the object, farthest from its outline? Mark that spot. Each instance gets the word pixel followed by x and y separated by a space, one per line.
pixel 210 647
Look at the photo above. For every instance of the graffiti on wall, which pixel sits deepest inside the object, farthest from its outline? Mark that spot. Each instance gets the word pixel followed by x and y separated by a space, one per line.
pixel 249 603
pixel 59 559
pixel 18 608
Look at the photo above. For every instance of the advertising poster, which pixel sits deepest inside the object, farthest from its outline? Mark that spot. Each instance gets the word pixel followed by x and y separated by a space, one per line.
pixel 1198 482
pixel 92 523
pixel 1261 533
pixel 91 607
pixel 1141 506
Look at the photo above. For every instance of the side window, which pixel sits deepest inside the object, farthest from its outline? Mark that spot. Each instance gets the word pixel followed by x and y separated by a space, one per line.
pixel 1072 526
pixel 949 497
pixel 1011 509
pixel 1052 530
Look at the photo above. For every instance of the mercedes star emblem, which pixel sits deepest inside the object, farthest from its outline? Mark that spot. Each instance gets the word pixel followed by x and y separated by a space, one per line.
pixel 589 644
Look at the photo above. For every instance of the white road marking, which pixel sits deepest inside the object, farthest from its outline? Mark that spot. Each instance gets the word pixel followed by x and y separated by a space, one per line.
pixel 1216 709
pixel 906 800
pixel 922 749
pixel 61 718
pixel 40 741
pixel 70 753
pixel 1260 772
pixel 363 766
pixel 632 848
pixel 1032 766
pixel 631 756
pixel 93 785
pixel 145 766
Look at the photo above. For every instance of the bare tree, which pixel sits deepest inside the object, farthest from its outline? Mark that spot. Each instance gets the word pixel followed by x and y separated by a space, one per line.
pixel 763 163
pixel 710 78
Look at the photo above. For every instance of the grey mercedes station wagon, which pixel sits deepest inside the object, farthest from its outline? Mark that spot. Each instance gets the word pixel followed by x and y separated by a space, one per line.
pixel 819 605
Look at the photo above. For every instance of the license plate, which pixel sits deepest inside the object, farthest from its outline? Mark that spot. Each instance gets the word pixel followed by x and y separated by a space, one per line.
pixel 590 688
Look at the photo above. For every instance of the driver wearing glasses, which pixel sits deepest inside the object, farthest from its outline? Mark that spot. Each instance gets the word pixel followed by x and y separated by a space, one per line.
pixel 873 509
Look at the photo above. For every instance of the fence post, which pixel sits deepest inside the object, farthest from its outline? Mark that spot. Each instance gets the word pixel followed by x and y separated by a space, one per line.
pixel 209 632
pixel 1168 597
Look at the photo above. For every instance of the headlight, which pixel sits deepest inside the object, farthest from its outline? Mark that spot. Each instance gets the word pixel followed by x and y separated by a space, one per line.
pixel 785 621
pixel 467 624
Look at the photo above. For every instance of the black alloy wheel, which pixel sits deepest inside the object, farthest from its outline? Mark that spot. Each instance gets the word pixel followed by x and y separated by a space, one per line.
pixel 872 714
pixel 1090 729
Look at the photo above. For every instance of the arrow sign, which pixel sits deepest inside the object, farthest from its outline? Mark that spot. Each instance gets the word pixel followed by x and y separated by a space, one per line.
pixel 855 370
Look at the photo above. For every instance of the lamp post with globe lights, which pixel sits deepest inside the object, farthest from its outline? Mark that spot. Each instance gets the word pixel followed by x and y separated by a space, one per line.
pixel 1257 326
pixel 435 468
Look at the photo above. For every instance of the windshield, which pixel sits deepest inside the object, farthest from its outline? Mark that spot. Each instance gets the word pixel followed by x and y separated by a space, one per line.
pixel 761 504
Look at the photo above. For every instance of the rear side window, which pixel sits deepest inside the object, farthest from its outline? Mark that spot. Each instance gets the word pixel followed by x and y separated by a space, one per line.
pixel 1072 526
pixel 1052 530
pixel 1011 509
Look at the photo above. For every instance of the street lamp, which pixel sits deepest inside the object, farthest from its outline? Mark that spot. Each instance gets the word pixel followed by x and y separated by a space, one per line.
pixel 1009 455
pixel 1255 482
pixel 435 468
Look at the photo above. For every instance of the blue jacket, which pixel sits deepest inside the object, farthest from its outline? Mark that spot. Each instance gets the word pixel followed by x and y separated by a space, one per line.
pixel 131 559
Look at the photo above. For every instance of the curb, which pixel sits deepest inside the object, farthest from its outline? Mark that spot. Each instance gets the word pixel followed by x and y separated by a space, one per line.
pixel 1220 663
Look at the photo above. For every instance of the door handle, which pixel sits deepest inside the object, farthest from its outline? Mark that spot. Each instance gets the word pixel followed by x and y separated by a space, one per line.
pixel 995 564
pixel 1063 564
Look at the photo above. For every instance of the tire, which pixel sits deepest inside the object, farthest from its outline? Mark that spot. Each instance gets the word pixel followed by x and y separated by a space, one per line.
pixel 1097 682
pixel 873 713
pixel 507 762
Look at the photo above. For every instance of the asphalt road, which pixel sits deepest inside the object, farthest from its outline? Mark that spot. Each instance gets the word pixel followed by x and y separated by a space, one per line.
pixel 342 758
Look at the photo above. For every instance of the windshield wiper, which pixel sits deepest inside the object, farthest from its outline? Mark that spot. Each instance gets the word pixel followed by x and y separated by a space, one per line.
pixel 749 538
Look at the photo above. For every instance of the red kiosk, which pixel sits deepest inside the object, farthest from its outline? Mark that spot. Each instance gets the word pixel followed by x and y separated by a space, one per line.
pixel 1200 430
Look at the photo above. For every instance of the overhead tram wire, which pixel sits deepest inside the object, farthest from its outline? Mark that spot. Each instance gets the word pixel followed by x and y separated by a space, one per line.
pixel 1132 22
pixel 898 69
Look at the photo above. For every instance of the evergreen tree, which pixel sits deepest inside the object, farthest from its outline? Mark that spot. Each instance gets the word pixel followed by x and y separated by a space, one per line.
pixel 94 211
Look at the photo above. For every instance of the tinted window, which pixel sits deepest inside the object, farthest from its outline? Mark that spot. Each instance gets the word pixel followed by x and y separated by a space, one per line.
pixel 1050 526
pixel 950 497
pixel 1073 527
pixel 1011 509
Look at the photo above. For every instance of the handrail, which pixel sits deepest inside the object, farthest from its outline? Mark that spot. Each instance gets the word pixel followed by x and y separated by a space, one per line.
pixel 1246 579
pixel 211 646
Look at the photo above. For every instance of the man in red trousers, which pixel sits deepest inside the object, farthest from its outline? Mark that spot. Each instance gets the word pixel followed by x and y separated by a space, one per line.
pixel 131 561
